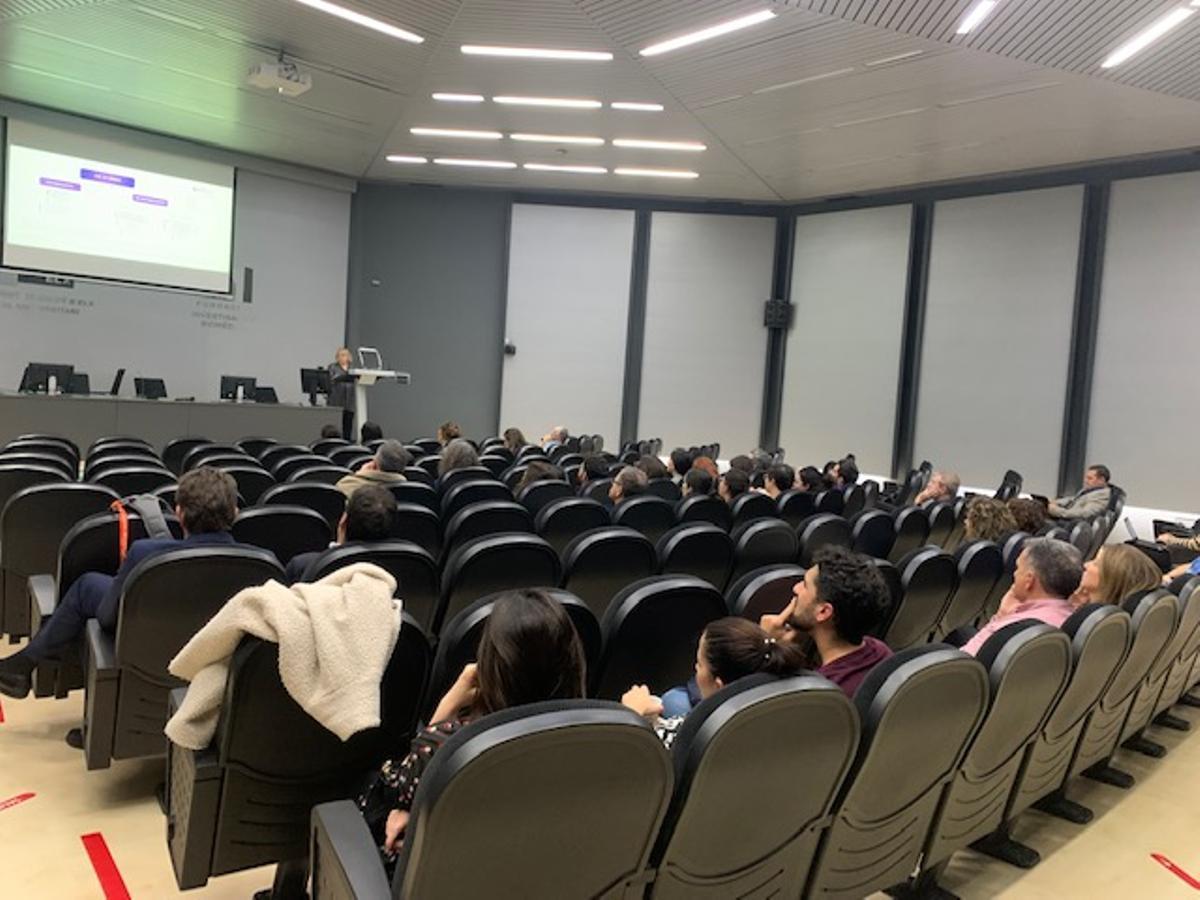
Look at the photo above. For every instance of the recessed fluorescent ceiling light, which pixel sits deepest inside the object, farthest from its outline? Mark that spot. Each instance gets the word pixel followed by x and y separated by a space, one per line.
pixel 564 102
pixel 658 173
pixel 638 143
pixel 459 98
pixel 399 158
pixel 1144 39
pixel 885 116
pixel 705 34
pixel 358 18
pixel 637 107
pixel 458 133
pixel 975 17
pixel 577 170
pixel 538 53
pixel 811 78
pixel 893 59
pixel 557 139
pixel 475 163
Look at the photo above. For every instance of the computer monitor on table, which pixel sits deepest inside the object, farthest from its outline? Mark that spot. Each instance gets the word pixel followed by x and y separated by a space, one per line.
pixel 150 388
pixel 313 382
pixel 36 379
pixel 231 383
pixel 265 394
pixel 79 384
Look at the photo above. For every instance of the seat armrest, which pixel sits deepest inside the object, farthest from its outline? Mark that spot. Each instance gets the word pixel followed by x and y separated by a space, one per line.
pixel 345 861
pixel 101 650
pixel 100 697
pixel 175 700
pixel 43 596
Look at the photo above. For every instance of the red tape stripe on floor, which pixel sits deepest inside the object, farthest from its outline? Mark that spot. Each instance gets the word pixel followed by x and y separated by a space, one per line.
pixel 1 713
pixel 107 872
pixel 1176 870
pixel 14 801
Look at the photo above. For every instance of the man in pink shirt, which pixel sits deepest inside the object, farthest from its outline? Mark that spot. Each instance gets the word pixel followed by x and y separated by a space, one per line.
pixel 1047 574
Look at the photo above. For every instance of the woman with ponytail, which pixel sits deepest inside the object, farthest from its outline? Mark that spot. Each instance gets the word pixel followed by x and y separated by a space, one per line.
pixel 729 649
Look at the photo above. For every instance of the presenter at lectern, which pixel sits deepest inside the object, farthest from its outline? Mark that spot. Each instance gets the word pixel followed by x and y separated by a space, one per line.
pixel 341 393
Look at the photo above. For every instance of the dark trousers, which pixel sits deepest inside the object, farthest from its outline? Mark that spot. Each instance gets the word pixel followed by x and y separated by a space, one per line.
pixel 85 600
pixel 348 424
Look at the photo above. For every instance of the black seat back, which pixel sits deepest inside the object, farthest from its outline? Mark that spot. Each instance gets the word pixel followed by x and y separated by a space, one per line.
pixel 463 494
pixel 561 521
pixel 495 562
pixel 597 489
pixel 763 591
pixel 320 474
pixel 200 454
pixel 763 542
pixel 650 630
pixel 912 531
pixel 1011 549
pixel 651 516
pixel 487 517
pixel 750 506
pixel 928 577
pixel 15 478
pixel 135 480
pixel 665 488
pixel 419 525
pixel 458 476
pixel 704 508
pixel 324 498
pixel 854 500
pixel 697 548
pixel 980 565
pixel 175 450
pixel 416 492
pixel 274 455
pixel 255 446
pixel 349 455
pixel 592 769
pixel 600 562
pixel 284 530
pixel 1184 649
pixel 802 735
pixel 820 531
pixel 873 532
pixel 796 505
pixel 942 517
pixel 252 481
pixel 534 497
pixel 413 568
pixel 900 774
pixel 831 501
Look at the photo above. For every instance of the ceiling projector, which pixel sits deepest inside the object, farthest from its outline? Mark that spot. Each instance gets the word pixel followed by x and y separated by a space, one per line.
pixel 282 77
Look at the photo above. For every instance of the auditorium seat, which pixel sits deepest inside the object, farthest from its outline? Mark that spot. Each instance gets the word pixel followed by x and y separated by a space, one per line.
pixel 762 542
pixel 284 530
pixel 222 461
pixel 199 455
pixel 763 591
pixel 458 642
pixel 942 518
pixel 719 837
pixel 796 505
pixel 831 501
pixel 820 531
pixel 495 463
pixel 873 532
pixel 1142 709
pixel 1187 650
pixel 32 526
pixel 980 565
pixel 561 521
pixel 18 478
pixel 651 516
pixel 43 460
pixel 750 506
pixel 459 476
pixel 1056 533
pixel 430 464
pixel 912 531
pixel 486 517
pixel 696 548
pixel 577 773
pixel 176 449
pixel 870 494
pixel 166 600
pixel 704 508
pixel 415 493
pixel 109 440
pixel 273 456
pixel 928 577
pixel 1081 536
pixel 417 524
pixel 252 481
pixel 60 447
pixel 1010 486
pixel 535 496
pixel 284 468
pixel 1028 664
pixel 881 818
pixel 350 455
pixel 854 500
pixel 324 498
pixel 95 468
pixel 132 480
pixel 245 800
pixel 958 532
pixel 1100 635
pixel 895 593
pixel 665 488
pixel 496 562
pixel 463 494
pixel 1013 545
pixel 254 446
pixel 414 569
pixel 417 475
pixel 599 563
pixel 429 446
pixel 650 630
pixel 319 474
pixel 597 489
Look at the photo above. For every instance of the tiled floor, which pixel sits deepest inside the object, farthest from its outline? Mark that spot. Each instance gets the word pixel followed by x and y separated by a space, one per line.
pixel 41 855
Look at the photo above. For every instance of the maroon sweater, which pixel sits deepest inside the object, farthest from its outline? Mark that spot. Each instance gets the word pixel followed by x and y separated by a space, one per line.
pixel 848 671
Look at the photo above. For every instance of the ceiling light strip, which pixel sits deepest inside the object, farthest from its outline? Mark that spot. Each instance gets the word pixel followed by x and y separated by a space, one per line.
pixel 641 144
pixel 705 34
pixel 475 163
pixel 975 17
pixel 458 98
pixel 557 139
pixel 458 133
pixel 899 57
pixel 408 160
pixel 656 173
pixel 559 102
pixel 1148 36
pixel 576 170
pixel 537 53
pixel 632 106
pixel 365 21
pixel 799 81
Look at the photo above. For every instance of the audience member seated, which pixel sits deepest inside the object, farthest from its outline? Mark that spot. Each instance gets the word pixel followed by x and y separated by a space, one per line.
pixel 1047 575
pixel 386 467
pixel 330 431
pixel 777 479
pixel 593 468
pixel 458 454
pixel 846 472
pixel 370 431
pixel 629 482
pixel 678 463
pixel 447 432
pixel 942 486
pixel 696 481
pixel 1187 568
pixel 1177 540
pixel 206 505
pixel 706 464
pixel 1091 500
pixel 555 437
pixel 729 649
pixel 1117 571
pixel 529 652
pixel 1030 515
pixel 988 520
pixel 840 600
pixel 367 519
pixel 811 480
pixel 514 439
pixel 653 467
pixel 742 463
pixel 539 470
pixel 733 484
pixel 829 475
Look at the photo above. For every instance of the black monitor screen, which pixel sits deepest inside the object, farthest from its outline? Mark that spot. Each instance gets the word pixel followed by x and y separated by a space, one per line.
pixel 37 376
pixel 314 381
pixel 230 384
pixel 150 388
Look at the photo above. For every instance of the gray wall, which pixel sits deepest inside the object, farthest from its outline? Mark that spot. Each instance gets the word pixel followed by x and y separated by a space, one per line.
pixel 427 276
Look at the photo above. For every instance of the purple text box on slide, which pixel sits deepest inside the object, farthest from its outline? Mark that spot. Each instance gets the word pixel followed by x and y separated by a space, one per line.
pixel 153 201
pixel 106 177
pixel 57 183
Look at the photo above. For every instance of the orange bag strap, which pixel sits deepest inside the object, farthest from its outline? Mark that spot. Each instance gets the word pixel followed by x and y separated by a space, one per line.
pixel 122 528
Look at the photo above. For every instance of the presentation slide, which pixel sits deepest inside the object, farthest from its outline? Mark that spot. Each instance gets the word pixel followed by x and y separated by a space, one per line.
pixel 83 206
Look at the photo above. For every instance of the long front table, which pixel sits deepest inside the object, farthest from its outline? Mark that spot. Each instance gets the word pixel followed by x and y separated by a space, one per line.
pixel 83 419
